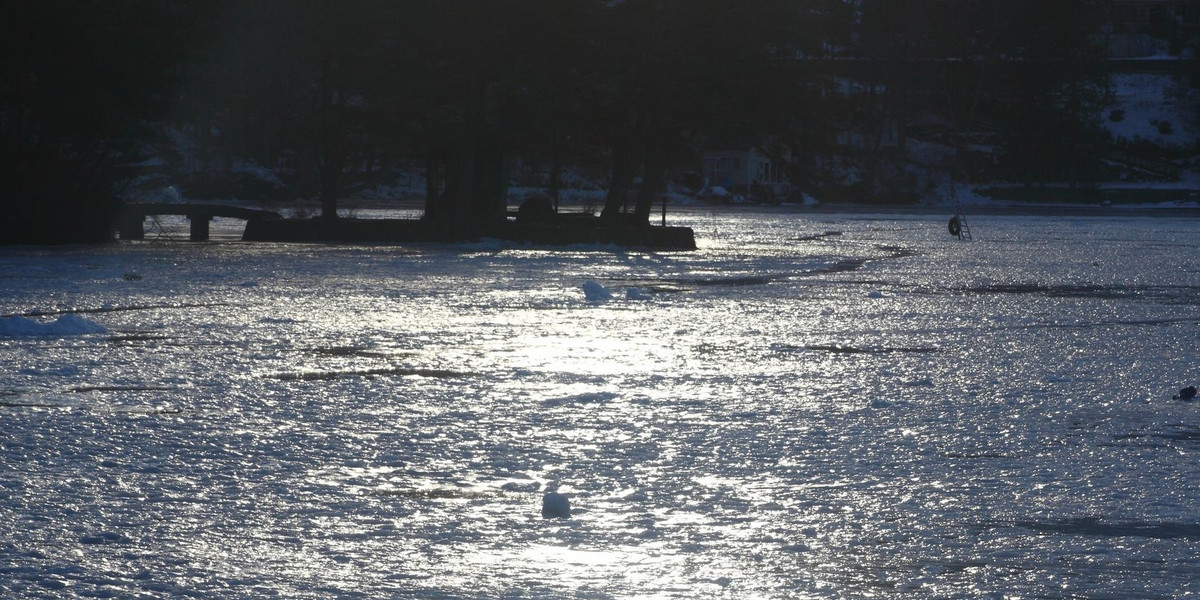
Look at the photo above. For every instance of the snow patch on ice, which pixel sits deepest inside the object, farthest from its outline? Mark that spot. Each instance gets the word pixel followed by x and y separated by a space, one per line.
pixel 594 292
pixel 64 325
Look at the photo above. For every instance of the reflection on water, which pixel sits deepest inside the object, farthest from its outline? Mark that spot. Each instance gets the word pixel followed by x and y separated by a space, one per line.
pixel 783 413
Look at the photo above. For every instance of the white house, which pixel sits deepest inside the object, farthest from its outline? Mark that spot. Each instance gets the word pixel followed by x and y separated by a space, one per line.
pixel 748 172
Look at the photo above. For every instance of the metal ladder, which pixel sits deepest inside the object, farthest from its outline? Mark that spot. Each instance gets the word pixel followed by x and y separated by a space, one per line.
pixel 964 229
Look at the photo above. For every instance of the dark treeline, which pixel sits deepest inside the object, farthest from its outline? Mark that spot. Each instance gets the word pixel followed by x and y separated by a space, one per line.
pixel 334 96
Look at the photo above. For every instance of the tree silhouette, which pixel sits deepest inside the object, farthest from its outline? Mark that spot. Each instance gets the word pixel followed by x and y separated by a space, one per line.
pixel 335 95
pixel 681 70
pixel 78 81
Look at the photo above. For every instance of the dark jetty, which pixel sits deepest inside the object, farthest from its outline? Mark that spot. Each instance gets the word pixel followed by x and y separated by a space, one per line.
pixel 131 221
pixel 562 231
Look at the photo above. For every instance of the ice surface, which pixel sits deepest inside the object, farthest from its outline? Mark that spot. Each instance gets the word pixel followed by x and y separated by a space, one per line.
pixel 888 413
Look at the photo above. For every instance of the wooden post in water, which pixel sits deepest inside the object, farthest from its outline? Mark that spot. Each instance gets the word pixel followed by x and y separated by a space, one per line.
pixel 199 226
pixel 132 226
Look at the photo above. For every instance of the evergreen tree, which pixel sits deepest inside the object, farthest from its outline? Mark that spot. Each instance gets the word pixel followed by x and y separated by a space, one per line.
pixel 78 82
pixel 1054 84
pixel 681 70
pixel 1034 71
pixel 299 85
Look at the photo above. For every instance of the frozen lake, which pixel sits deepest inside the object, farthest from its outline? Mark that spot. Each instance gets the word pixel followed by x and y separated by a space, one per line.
pixel 809 406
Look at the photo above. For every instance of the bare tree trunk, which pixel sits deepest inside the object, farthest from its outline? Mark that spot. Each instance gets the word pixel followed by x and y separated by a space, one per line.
pixel 653 181
pixel 331 172
pixel 330 154
pixel 555 168
pixel 436 185
pixel 622 175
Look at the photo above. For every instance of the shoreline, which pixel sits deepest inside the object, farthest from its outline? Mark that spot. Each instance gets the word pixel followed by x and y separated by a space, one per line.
pixel 412 209
pixel 1016 210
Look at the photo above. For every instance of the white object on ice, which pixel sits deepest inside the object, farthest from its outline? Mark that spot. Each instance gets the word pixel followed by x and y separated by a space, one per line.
pixel 556 506
pixel 594 292
pixel 64 325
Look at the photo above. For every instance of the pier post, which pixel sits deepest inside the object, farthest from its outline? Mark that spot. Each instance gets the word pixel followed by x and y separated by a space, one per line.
pixel 199 226
pixel 132 226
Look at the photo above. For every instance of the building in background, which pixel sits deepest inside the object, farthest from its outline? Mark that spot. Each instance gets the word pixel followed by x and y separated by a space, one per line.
pixel 749 173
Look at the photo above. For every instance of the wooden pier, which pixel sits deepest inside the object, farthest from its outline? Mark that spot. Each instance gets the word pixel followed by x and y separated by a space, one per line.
pixel 267 226
pixel 131 223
